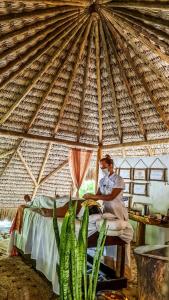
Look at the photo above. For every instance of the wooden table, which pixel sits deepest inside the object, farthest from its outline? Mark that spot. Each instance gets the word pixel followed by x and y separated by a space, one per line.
pixel 141 227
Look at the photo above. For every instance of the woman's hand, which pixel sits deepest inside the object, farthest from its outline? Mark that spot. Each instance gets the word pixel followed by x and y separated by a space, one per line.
pixel 88 196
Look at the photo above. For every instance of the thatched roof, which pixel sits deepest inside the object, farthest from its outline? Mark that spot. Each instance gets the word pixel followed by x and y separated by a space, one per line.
pixel 79 73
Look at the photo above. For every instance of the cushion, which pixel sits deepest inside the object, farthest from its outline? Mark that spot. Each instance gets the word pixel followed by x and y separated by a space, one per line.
pixel 112 224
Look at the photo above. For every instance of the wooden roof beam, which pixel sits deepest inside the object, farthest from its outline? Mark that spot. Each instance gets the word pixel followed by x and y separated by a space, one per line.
pixel 162 5
pixel 55 77
pixel 39 74
pixel 155 32
pixel 85 83
pixel 136 50
pixel 27 168
pixel 42 169
pixel 137 144
pixel 111 81
pixel 126 83
pixel 6 153
pixel 98 78
pixel 70 83
pixel 10 159
pixel 143 16
pixel 70 3
pixel 42 47
pixel 57 169
pixel 160 112
pixel 36 13
pixel 144 40
pixel 36 35
pixel 39 24
pixel 143 82
pixel 18 146
pixel 44 162
pixel 44 139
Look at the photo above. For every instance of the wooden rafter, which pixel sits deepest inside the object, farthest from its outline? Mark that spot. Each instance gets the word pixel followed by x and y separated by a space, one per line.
pixel 57 169
pixel 36 35
pixel 34 192
pixel 123 153
pixel 98 79
pixel 141 79
pixel 6 153
pixel 157 35
pixel 137 144
pixel 47 43
pixel 42 169
pixel 144 40
pixel 36 25
pixel 71 80
pixel 44 139
pixel 85 83
pixel 76 4
pixel 136 50
pixel 19 144
pixel 111 81
pixel 44 162
pixel 27 168
pixel 146 88
pixel 38 75
pixel 55 77
pixel 113 46
pixel 162 5
pixel 11 157
pixel 54 172
pixel 150 151
pixel 143 16
pixel 99 156
pixel 37 12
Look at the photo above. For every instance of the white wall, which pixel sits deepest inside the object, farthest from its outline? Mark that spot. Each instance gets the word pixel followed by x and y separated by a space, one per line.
pixel 158 196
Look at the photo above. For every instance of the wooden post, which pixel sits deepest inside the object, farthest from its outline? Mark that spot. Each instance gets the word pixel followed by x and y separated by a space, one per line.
pixel 99 156
pixel 140 234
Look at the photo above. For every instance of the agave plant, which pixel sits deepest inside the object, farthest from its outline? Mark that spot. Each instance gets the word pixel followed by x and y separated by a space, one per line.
pixel 75 283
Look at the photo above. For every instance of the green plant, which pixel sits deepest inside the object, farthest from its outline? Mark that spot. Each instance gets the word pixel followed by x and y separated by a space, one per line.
pixel 75 284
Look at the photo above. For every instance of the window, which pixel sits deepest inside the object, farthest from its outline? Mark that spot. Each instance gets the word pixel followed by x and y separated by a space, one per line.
pixel 88 186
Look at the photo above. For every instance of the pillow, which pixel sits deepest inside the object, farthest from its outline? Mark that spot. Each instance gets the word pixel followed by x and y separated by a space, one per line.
pixel 112 225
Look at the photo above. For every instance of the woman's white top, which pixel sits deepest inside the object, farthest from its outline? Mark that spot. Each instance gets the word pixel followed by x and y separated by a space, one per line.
pixel 115 206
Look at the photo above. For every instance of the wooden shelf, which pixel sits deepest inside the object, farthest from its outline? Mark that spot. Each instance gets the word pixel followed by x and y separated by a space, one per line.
pixel 147 221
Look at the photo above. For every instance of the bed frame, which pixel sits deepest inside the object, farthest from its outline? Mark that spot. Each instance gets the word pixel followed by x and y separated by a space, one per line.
pixel 117 280
pixel 116 277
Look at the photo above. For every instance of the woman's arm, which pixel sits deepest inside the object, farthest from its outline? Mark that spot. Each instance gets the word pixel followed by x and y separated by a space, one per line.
pixel 115 192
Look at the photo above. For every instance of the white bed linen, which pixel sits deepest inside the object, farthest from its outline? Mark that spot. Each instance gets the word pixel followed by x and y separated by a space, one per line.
pixel 37 238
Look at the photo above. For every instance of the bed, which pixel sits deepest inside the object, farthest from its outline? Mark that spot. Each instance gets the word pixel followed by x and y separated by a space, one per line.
pixel 38 240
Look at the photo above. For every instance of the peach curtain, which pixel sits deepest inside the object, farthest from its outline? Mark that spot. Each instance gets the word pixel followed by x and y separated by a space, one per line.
pixel 79 161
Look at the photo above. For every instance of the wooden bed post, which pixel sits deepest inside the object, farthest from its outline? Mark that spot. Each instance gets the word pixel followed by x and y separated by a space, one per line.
pixel 99 156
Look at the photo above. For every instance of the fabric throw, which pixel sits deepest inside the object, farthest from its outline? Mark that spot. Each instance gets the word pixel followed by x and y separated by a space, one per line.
pixel 18 220
pixel 79 161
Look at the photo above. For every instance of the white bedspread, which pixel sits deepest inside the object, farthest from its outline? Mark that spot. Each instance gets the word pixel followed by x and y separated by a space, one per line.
pixel 37 238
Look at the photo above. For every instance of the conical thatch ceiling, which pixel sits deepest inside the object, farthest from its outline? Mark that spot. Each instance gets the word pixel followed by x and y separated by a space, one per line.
pixel 85 72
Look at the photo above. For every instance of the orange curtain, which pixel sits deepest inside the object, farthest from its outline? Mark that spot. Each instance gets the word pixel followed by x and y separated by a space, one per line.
pixel 79 161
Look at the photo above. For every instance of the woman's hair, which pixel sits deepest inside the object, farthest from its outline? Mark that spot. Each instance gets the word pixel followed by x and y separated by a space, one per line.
pixel 108 160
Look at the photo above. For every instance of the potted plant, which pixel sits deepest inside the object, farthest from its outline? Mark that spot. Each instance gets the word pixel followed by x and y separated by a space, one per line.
pixel 75 283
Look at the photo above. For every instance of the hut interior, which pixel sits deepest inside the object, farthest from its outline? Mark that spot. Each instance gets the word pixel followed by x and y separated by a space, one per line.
pixel 89 76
